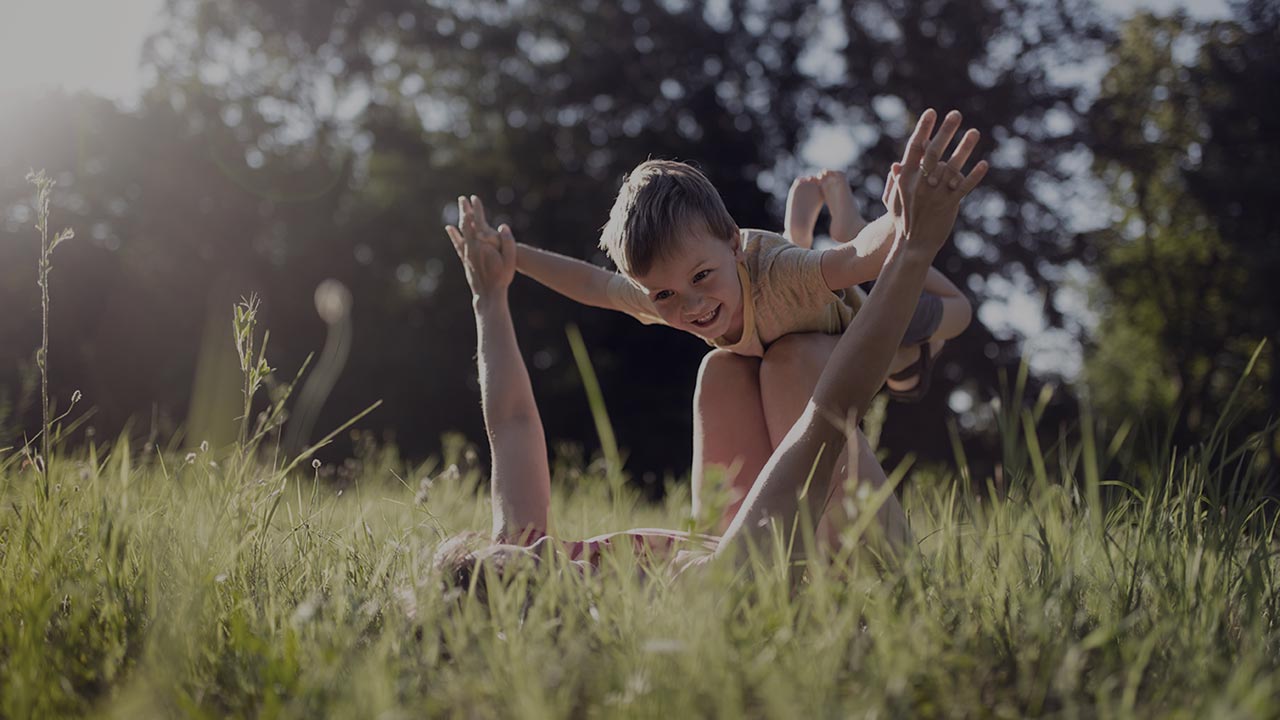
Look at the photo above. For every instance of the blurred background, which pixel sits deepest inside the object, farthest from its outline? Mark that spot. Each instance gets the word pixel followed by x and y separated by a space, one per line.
pixel 1126 244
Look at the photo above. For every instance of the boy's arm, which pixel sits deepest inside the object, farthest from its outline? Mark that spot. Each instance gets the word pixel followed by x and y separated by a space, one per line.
pixel 577 280
pixel 861 259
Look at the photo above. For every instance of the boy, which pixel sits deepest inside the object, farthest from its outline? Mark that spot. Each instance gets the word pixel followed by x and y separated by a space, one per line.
pixel 800 473
pixel 685 263
pixel 797 481
pixel 734 421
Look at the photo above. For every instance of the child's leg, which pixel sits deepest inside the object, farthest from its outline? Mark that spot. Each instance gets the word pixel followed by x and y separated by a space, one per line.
pixel 787 378
pixel 955 315
pixel 804 202
pixel 846 221
pixel 729 430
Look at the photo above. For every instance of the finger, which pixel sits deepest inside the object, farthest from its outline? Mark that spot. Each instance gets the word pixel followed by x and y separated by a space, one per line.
pixel 933 153
pixel 916 146
pixel 919 139
pixel 456 238
pixel 900 207
pixel 890 181
pixel 964 149
pixel 974 177
pixel 507 241
pixel 481 221
pixel 464 209
pixel 459 244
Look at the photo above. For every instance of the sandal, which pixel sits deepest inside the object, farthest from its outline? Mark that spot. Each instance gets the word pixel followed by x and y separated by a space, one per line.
pixel 921 369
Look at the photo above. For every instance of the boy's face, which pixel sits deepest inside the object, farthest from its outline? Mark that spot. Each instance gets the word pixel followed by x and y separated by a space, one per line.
pixel 697 289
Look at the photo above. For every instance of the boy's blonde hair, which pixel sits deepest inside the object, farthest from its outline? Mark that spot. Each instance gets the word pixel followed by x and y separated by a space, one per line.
pixel 659 202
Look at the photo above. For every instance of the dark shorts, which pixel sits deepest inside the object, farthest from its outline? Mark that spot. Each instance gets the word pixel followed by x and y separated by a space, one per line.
pixel 925 320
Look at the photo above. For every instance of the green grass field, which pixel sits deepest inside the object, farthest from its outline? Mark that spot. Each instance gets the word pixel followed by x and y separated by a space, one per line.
pixel 1103 575
pixel 199 585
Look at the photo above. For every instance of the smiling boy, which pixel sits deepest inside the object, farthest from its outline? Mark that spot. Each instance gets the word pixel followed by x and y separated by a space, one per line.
pixel 685 263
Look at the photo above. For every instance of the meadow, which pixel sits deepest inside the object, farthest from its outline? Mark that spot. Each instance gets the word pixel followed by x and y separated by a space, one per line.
pixel 1101 573
pixel 1110 576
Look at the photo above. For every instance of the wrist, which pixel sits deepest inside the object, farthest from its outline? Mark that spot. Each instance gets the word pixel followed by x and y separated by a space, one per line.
pixel 489 300
pixel 911 251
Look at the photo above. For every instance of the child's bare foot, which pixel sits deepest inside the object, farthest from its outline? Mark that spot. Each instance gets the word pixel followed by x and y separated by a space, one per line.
pixel 846 221
pixel 804 202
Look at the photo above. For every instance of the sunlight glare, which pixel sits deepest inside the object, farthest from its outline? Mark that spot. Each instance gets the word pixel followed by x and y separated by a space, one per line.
pixel 92 45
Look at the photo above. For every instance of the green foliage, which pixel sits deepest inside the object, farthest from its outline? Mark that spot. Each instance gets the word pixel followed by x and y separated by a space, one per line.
pixel 1186 266
pixel 157 586
pixel 287 142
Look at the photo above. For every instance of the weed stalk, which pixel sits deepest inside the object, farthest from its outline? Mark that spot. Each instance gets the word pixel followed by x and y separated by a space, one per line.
pixel 44 189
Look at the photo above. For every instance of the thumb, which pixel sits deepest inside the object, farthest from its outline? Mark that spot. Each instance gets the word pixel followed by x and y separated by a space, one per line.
pixel 507 240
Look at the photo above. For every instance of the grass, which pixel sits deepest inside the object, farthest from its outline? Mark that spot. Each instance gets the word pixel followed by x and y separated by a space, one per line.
pixel 202 585
pixel 1101 574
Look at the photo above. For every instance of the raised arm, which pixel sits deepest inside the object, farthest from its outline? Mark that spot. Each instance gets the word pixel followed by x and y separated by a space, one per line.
pixel 577 280
pixel 924 195
pixel 862 259
pixel 520 479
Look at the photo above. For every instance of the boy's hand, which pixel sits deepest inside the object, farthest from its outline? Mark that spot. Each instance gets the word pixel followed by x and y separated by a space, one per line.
pixel 490 262
pixel 922 192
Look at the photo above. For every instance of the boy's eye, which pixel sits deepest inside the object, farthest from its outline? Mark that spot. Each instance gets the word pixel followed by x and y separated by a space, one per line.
pixel 662 295
pixel 701 274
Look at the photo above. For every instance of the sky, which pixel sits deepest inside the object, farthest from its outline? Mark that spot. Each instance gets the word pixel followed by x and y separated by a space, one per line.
pixel 93 45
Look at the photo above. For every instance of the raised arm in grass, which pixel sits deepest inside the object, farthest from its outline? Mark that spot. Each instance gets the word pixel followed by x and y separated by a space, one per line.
pixel 520 476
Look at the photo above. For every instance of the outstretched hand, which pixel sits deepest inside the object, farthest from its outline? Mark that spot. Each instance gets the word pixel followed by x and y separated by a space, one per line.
pixel 922 192
pixel 488 256
pixel 472 210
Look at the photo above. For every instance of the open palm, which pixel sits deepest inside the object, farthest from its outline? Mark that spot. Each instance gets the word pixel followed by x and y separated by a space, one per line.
pixel 488 256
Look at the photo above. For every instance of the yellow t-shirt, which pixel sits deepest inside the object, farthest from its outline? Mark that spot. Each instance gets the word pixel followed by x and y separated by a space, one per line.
pixel 782 293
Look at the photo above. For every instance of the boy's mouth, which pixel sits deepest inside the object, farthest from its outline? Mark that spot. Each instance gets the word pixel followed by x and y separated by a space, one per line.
pixel 705 321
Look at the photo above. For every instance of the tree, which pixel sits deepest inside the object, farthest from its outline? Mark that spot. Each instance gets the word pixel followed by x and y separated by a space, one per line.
pixel 1184 138
pixel 330 141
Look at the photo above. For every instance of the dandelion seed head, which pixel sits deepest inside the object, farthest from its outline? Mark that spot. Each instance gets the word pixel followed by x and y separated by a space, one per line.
pixel 424 491
pixel 315 464
pixel 305 611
